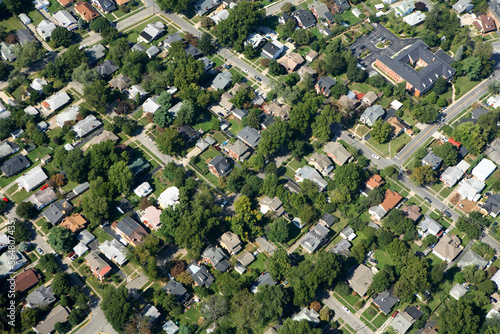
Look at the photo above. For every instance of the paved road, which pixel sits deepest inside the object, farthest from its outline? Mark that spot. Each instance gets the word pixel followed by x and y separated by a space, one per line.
pixel 276 7
pixel 349 318
pixel 97 324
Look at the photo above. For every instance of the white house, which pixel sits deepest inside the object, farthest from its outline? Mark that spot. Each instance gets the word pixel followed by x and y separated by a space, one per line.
pixel 56 101
pixel 484 169
pixel 32 179
pixel 405 7
pixel 68 115
pixel 151 105
pixel 64 19
pixel 414 18
pixel 170 197
pixel 471 189
pixel 143 190
pixel 45 28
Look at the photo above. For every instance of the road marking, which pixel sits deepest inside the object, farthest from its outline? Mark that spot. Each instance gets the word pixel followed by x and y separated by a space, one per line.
pixel 417 142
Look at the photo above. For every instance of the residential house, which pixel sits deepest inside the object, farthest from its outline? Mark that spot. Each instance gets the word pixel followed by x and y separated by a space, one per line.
pixel 327 220
pixel 458 291
pixel 124 206
pixel 462 6
pixel 7 51
pixel 284 18
pixel 207 63
pixel 448 248
pixel 200 275
pixel 471 189
pixel 177 290
pixel 405 8
pixel 11 261
pixel 432 160
pixel 385 301
pixel 304 71
pixel 264 279
pixel 291 61
pixel 273 49
pixel 56 101
pixel 429 226
pixel 37 84
pixel 151 313
pixel 453 174
pixel 24 36
pixel 307 314
pixel 120 82
pixel 114 251
pixel 309 173
pixel 57 211
pixel 414 18
pixel 101 138
pixel 202 7
pixel 107 68
pixel 412 212
pixel 230 242
pixel 360 279
pixel 485 24
pixel 374 181
pixel 41 297
pixel 342 248
pixel 32 111
pixel 324 85
pixel 348 233
pixel 417 66
pixel 80 249
pixel 277 110
pixel 26 280
pixel 305 19
pixel 152 51
pixel 255 40
pixel 311 55
pixel 321 11
pixel 239 113
pixel 169 197
pixel 138 165
pixel 58 314
pixel 143 190
pixel 222 80
pixel 478 112
pixel 337 152
pixel 86 11
pixel 245 258
pixel 314 238
pixel 15 165
pixel 217 258
pixel 496 278
pixel 193 51
pixel 45 28
pixel 169 326
pixel 8 148
pixel 484 169
pixel 391 199
pixel 41 4
pixel 64 19
pixel 130 230
pixel 472 258
pixel 188 133
pixel 249 136
pixel 97 265
pixel 492 205
pixel 343 5
pixel 85 237
pixel 74 223
pixel 414 312
pixel 396 125
pixel 171 39
pixel 65 3
pixel 42 198
pixel 151 218
pixel 321 162
pixel 106 6
pixel 372 114
pixel 402 322
pixel 95 53
pixel 369 98
pixel 86 126
pixel 274 205
pixel 238 150
pixel 81 188
pixel 24 19
pixel 355 11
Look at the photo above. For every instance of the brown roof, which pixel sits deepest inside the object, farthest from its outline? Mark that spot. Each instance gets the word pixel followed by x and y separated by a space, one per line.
pixel 26 280
pixel 391 199
pixel 412 212
pixel 65 3
pixel 396 124
pixel 485 24
pixel 374 181
pixel 121 2
pixel 86 11
pixel 429 331
pixel 74 223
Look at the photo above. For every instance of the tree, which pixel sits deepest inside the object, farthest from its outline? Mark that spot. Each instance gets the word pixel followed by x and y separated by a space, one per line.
pixel 494 87
pixel 472 230
pixel 28 54
pixel 382 280
pixel 121 176
pixel 430 240
pixel 26 210
pixel 115 307
pixel 349 175
pixel 273 300
pixel 287 8
pixel 61 239
pixel 186 113
pixel 100 24
pixel 206 22
pixel 278 264
pixel 473 67
pixel 459 318
pixel 163 117
pixel 381 131
pixel 61 284
pixel 176 6
pixel 279 231
pixel 85 75
pixel 471 135
pixel 169 142
pixel 62 37
pixel 252 119
pixel 276 68
pixel 440 86
pixel 302 36
pixel 215 307
pixel 246 221
pixel 413 278
pixel 205 43
pixel 302 327
pixel 448 153
pixel 423 175
pixel 97 94
pixel 48 262
pixel 30 317
pixel 95 208
pixel 355 73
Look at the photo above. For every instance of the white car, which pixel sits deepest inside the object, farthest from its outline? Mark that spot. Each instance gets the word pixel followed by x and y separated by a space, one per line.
pixel 346 309
pixel 376 156
pixel 244 70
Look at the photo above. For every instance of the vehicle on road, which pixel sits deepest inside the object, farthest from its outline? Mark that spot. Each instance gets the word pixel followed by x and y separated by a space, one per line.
pixel 351 136
pixel 447 213
pixel 257 78
pixel 428 200
pixel 375 156
pixel 493 300
pixel 346 309
pixel 55 253
pixel 374 261
pixel 244 69
pixel 223 204
pixel 39 251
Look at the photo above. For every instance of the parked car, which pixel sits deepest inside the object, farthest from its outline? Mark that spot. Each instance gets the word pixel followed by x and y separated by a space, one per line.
pixel 428 200
pixel 351 136
pixel 362 47
pixel 346 309
pixel 394 314
pixel 55 253
pixel 217 148
pixel 493 300
pixel 223 204
pixel 5 199
pixel 244 69
pixel 71 254
pixel 374 261
pixel 39 251
pixel 375 156
pixel 447 213
pixel 257 78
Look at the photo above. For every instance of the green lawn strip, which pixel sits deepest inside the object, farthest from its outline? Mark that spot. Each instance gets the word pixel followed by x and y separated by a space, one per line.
pixel 349 328
pixel 102 235
pixel 12 24
pixel 383 258
pixel 11 190
pixel 36 17
pixel 347 300
pixel 398 143
pixel 465 85
pixel 370 313
pixel 138 114
pixel 379 321
pixel 382 149
pixel 259 264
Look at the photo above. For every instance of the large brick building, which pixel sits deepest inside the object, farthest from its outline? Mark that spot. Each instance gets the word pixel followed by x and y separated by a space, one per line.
pixel 418 66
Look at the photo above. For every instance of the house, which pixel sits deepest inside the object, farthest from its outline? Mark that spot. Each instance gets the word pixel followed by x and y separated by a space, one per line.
pixel 416 65
pixel 284 18
pixel 41 4
pixel 200 274
pixel 311 55
pixel 217 258
pixel 321 11
pixel 177 290
pixel 342 247
pixel 56 101
pixel 95 53
pixel 151 313
pixel 274 205
pixel 138 165
pixel 42 198
pixel 106 6
pixel 204 6
pixel 391 199
pixel 80 249
pixel 230 242
pixel 414 312
pixel 485 24
pixel 5 240
pixel 97 265
pixel 24 19
pixel 374 181
pixel 396 125
pixel 41 297
pixel 264 279
pixel 58 314
pixel 188 133
pixel 344 5
pixel 7 51
pixel 307 71
pixel 74 223
pixel 238 151
pixel 85 237
pixel 321 162
pixel 65 3
pixel 120 82
pixel 37 84
pixel 462 6
pixel 239 113
pixel 249 136
pixel 24 36
pixel 492 205
pixel 207 63
pixel 305 19
pixel 314 238
pixel 453 174
pixel 327 220
pixel 86 126
pixel 255 40
pixel 171 39
pixel 372 114
pixel 471 258
pixel 169 197
pixel 355 11
pixel 86 11
pixel 385 301
pixel 32 111
pixel 405 8
pixel 170 327
pixel 360 279
pixel 273 49
pixel 64 19
pixel 348 233
pixel 402 322
pixel 309 173
pixel 8 148
pixel 324 85
pixel 458 291
pixel 291 61
pixel 277 110
pixel 101 138
pixel 432 160
pixel 193 51
pixel 222 80
pixel 369 98
pixel 26 280
pixel 153 51
pixel 429 226
pixel 114 251
pixel 151 105
pixel 471 189
pixel 81 188
pixel 414 18
pixel 15 165
pixel 337 152
pixel 245 258
pixel 151 218
pixel 412 212
pixel 484 169
pixel 107 68
pixel 130 230
pixel 57 211
pixel 448 248
pixel 307 314
pixel 11 261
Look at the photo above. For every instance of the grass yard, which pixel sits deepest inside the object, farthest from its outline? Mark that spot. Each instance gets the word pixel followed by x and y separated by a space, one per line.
pixel 362 130
pixel 383 258
pixel 235 126
pixel 363 88
pixel 259 264
pixel 12 24
pixel 191 315
pixel 465 85
pixel 398 143
pixel 382 149
pixel 379 321
pixel 370 313
pixel 102 235
pixel 36 17
pixel 294 164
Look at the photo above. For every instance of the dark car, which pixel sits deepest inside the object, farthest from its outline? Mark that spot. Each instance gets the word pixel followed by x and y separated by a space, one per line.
pixel 428 199
pixel 373 261
pixel 493 300
pixel 351 136
pixel 447 213
pixel 257 78
pixel 362 47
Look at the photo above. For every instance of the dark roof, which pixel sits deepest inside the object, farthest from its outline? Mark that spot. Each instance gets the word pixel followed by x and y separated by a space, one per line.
pixel 445 57
pixel 285 17
pixel 57 211
pixel 270 48
pixel 220 164
pixel 138 165
pixel 188 133
pixel 492 204
pixel 325 84
pixel 264 279
pixel 146 36
pixel 7 148
pixel 200 274
pixel 328 219
pixel 425 78
pixel 343 4
pixel 124 205
pixel 107 5
pixel 24 36
pixel 329 16
pixel 478 112
pixel 15 165
pixel 305 17
pixel 386 301
pixel 127 226
pixel 107 68
pixel 177 290
pixel 217 258
pixel 193 51
pixel 414 312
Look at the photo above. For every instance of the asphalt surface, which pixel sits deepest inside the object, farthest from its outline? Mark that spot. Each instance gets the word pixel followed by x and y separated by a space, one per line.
pixel 349 318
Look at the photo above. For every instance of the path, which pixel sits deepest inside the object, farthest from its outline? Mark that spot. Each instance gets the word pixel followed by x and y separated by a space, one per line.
pixel 349 318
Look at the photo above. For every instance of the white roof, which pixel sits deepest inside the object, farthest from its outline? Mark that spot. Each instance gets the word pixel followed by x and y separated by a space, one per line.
pixel 470 189
pixel 414 18
pixel 170 197
pixel 494 101
pixel 132 92
pixel 31 179
pixel 220 15
pixel 30 110
pixel 463 165
pixel 57 100
pixel 396 104
pixel 458 291
pixel 151 105
pixel 86 125
pixel 496 278
pixel 64 18
pixel 45 28
pixel 68 147
pixel 80 249
pixel 484 169
pixel 67 115
pixel 170 327
pixel 38 84
pixel 2 107
pixel 114 251
pixel 143 190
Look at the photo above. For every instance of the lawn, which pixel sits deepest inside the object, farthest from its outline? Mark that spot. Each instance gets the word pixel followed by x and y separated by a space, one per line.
pixel 259 264
pixel 370 313
pixel 383 258
pixel 363 88
pixel 12 24
pixel 294 164
pixel 236 126
pixel 350 18
pixel 398 143
pixel 219 137
pixel 191 315
pixel 36 17
pixel 379 321
pixel 102 235
pixel 382 149
pixel 465 85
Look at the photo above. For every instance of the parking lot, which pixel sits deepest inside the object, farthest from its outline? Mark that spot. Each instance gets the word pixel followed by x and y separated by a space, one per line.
pixel 379 34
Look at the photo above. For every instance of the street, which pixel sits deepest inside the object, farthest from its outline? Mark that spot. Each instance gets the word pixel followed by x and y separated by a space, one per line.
pixel 96 324
pixel 349 318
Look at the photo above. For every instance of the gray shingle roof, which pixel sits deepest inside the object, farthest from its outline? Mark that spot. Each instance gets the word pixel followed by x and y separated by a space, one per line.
pixel 107 68
pixel 15 165
pixel 177 290
pixel 220 164
pixel 386 301
pixel 249 136
pixel 200 274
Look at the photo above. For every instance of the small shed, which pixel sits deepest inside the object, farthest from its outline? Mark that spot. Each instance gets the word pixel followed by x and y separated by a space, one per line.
pixel 24 19
pixel 46 159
